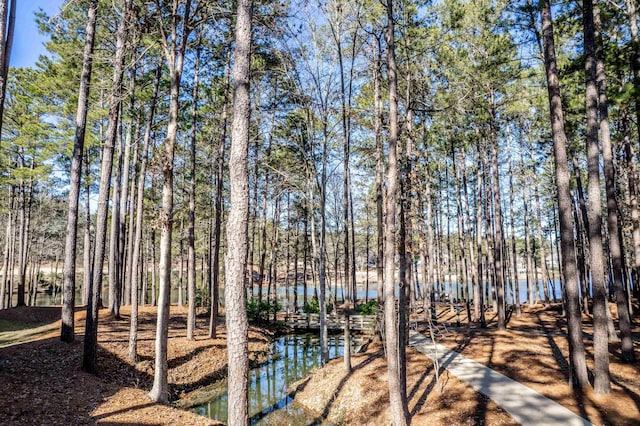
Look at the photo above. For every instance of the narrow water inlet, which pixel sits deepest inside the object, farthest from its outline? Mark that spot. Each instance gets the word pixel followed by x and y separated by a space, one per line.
pixel 291 358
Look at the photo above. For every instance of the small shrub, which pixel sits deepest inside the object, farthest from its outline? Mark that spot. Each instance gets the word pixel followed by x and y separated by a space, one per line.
pixel 369 308
pixel 260 310
pixel 313 306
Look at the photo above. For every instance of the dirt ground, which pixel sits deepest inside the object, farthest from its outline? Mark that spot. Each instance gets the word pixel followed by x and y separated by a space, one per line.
pixel 42 383
pixel 533 351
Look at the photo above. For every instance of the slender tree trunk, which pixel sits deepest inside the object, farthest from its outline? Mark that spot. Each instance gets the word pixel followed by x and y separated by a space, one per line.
pixel 399 409
pixel 478 294
pixel 89 362
pixel 5 257
pixel 320 250
pixel 6 42
pixel 69 286
pixel 541 244
pixel 115 290
pixel 218 220
pixel 191 240
pixel 22 246
pixel 136 256
pixel 497 207
pixel 236 317
pixel 12 251
pixel 632 178
pixel 296 258
pixel 600 334
pixel 181 269
pixel 87 257
pixel 531 273
pixel 379 179
pixel 174 53
pixel 615 243
pixel 122 284
pixel 512 231
pixel 635 55
pixel 574 321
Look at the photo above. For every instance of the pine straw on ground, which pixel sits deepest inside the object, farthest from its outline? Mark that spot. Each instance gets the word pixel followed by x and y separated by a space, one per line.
pixel 361 397
pixel 42 382
pixel 533 351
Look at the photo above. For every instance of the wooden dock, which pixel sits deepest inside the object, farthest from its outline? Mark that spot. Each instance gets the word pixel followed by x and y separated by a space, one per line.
pixel 357 323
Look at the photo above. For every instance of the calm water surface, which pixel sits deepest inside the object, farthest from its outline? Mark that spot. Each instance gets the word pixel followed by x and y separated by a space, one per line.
pixel 291 358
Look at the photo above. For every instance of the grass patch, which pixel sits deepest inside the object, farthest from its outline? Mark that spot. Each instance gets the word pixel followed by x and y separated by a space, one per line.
pixel 14 332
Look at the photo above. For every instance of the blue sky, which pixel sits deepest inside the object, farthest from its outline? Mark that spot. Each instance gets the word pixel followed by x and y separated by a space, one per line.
pixel 28 42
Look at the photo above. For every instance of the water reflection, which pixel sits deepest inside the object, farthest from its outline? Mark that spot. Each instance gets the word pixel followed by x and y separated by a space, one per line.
pixel 291 358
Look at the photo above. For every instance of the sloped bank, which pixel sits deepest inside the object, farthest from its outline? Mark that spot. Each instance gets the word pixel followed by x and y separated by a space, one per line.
pixel 361 396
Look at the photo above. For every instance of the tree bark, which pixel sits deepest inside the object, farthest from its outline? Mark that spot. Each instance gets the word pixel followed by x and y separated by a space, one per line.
pixel 236 317
pixel 215 294
pixel 512 231
pixel 379 177
pixel 7 27
pixel 596 254
pixel 69 287
pixel 87 257
pixel 123 284
pixel 574 321
pixel 615 243
pixel 399 409
pixel 6 256
pixel 541 243
pixel 174 53
pixel 497 207
pixel 89 361
pixel 137 240
pixel 191 240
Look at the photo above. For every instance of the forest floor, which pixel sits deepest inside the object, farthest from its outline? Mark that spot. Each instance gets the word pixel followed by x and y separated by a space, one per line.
pixel 533 351
pixel 42 383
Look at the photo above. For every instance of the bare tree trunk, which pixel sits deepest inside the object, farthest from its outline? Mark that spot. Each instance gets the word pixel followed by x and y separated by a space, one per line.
pixel 532 276
pixel 218 210
pixel 174 54
pixel 22 246
pixel 12 252
pixel 87 257
pixel 600 334
pixel 137 240
pixel 236 317
pixel 154 269
pixel 89 362
pixel 320 251
pixel 635 54
pixel 574 321
pixel 615 244
pixel 273 261
pixel 633 204
pixel 69 286
pixel 115 289
pixel 478 294
pixel 181 269
pixel 497 207
pixel 6 42
pixel 379 177
pixel 399 409
pixel 191 240
pixel 541 244
pixel 5 290
pixel 123 285
pixel 512 231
